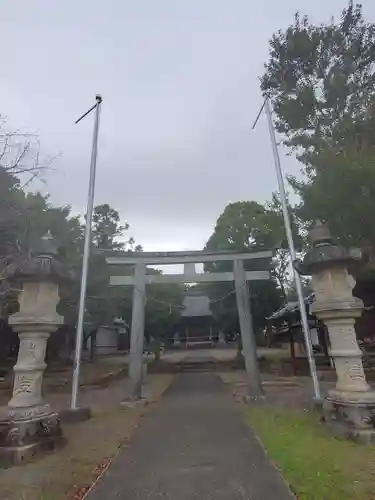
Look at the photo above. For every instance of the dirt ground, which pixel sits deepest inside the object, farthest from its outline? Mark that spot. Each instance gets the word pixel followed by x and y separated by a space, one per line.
pixel 229 353
pixel 69 473
pixel 59 379
pixel 287 392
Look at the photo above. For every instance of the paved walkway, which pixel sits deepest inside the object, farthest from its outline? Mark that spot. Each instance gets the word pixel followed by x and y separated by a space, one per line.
pixel 193 445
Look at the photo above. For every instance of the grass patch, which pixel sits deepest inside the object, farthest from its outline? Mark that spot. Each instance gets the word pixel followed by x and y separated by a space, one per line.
pixel 316 465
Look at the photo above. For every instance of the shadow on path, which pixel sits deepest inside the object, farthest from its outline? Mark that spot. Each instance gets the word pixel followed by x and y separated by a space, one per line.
pixel 193 445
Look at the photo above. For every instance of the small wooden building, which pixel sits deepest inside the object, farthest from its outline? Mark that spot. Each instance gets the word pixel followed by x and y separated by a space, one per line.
pixel 285 330
pixel 197 323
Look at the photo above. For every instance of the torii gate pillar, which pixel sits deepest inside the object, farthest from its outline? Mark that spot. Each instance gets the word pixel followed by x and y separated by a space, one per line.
pixel 141 279
pixel 254 383
pixel 137 333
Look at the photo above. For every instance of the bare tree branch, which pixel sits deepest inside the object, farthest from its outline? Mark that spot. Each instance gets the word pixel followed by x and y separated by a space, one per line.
pixel 20 153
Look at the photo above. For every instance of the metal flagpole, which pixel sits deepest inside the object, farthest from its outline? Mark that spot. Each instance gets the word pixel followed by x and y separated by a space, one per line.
pixel 292 250
pixel 86 251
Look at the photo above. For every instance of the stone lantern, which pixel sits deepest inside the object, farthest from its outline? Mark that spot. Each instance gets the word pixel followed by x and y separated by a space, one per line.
pixel 349 408
pixel 30 424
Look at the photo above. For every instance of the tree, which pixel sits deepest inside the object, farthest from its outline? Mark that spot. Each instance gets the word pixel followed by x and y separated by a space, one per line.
pixel 107 227
pixel 272 234
pixel 20 155
pixel 26 216
pixel 343 195
pixel 11 214
pixel 244 226
pixel 292 294
pixel 20 163
pixel 24 219
pixel 104 303
pixel 237 227
pixel 321 81
pixel 163 311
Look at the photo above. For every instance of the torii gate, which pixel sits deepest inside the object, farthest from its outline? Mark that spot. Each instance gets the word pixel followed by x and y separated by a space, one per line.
pixel 140 279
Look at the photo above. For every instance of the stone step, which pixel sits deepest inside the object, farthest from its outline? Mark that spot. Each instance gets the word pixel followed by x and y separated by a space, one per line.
pixel 206 366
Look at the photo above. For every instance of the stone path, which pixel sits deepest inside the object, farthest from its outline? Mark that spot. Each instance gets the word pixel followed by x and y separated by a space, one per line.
pixel 193 445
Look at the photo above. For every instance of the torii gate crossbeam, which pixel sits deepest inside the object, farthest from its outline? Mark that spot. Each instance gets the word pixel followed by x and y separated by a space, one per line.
pixel 140 278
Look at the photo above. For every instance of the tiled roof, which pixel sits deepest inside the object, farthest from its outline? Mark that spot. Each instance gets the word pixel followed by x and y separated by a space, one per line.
pixel 291 307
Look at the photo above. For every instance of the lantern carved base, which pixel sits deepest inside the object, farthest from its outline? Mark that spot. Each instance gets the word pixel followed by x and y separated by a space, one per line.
pixel 27 433
pixel 351 417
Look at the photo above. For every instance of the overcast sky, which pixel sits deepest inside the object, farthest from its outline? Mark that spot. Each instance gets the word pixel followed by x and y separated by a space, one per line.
pixel 179 80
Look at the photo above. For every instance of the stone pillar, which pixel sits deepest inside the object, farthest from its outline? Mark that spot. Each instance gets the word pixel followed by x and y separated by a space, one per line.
pixel 144 371
pixel 254 383
pixel 176 340
pixel 137 333
pixel 222 340
pixel 31 425
pixel 349 408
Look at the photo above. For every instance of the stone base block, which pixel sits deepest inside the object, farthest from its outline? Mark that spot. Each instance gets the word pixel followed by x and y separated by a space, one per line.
pixel 144 373
pixel 354 420
pixel 25 439
pixel 317 405
pixel 247 399
pixel 70 416
pixel 131 403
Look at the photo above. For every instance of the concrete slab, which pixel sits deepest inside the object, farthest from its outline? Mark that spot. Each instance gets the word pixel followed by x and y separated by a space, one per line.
pixel 194 445
pixel 69 416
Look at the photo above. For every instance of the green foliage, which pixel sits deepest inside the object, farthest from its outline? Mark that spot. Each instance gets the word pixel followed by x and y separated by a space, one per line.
pixel 237 227
pixel 163 309
pixel 321 81
pixel 26 216
pixel 107 227
pixel 344 195
pixel 11 197
pixel 249 225
pixel 246 226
